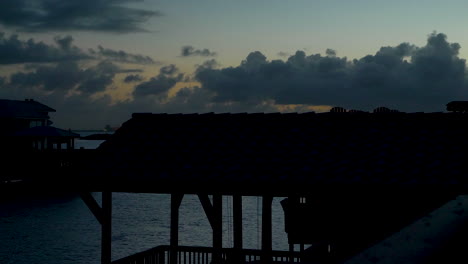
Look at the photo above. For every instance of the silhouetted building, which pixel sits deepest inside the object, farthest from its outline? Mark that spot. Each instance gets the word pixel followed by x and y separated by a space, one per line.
pixel 17 115
pixel 382 109
pixel 337 109
pixel 26 124
pixel 458 106
pixel 356 111
pixel 46 137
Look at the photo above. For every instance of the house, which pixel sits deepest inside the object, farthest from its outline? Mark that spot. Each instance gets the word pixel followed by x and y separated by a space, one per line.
pixel 17 115
pixel 27 125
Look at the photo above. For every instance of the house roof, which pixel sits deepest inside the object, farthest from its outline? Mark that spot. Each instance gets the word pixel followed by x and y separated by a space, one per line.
pixel 24 109
pixel 45 131
pixel 283 153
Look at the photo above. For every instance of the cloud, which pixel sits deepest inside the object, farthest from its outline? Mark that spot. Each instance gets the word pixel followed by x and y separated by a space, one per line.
pixel 121 56
pixel 330 52
pixel 209 64
pixel 160 84
pixel 67 76
pixel 14 50
pixel 65 43
pixel 404 77
pixel 133 78
pixel 283 54
pixel 169 69
pixel 188 51
pixel 83 15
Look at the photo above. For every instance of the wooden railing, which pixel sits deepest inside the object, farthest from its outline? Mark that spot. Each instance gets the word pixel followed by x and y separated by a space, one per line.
pixel 203 255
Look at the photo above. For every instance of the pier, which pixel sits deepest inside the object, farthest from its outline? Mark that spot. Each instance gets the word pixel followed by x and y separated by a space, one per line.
pixel 363 176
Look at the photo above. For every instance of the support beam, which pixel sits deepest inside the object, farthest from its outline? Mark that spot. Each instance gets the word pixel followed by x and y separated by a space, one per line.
pixel 106 227
pixel 217 228
pixel 208 208
pixel 89 200
pixel 266 229
pixel 176 200
pixel 237 213
pixel 214 213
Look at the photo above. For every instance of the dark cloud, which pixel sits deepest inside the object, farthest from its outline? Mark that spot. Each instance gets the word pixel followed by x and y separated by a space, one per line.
pixel 64 43
pixel 209 64
pixel 14 50
pixel 122 56
pixel 330 52
pixel 188 51
pixel 133 78
pixel 283 54
pixel 200 100
pixel 156 85
pixel 67 76
pixel 405 77
pixel 83 15
pixel 169 69
pixel 160 84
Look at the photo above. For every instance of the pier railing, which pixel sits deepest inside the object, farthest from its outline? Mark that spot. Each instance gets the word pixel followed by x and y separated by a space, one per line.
pixel 203 255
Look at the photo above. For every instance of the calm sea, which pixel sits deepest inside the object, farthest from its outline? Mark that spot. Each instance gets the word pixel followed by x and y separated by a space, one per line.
pixel 88 144
pixel 60 229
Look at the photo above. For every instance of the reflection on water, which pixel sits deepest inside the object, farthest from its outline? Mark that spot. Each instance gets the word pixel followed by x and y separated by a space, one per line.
pixel 87 144
pixel 61 229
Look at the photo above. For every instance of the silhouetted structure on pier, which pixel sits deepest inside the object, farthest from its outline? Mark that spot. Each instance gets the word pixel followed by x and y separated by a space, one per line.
pixel 17 115
pixel 359 176
pixel 32 149
pixel 458 106
pixel 26 125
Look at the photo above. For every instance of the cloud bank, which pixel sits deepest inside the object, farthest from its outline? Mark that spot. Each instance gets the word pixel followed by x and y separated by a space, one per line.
pixel 83 15
pixel 66 77
pixel 14 51
pixel 403 77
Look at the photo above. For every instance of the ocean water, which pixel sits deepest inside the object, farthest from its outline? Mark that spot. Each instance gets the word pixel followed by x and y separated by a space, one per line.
pixel 60 229
pixel 88 144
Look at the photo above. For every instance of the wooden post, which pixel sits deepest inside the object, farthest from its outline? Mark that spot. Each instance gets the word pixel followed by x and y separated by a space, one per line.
pixel 266 229
pixel 217 228
pixel 237 213
pixel 176 200
pixel 291 251
pixel 106 227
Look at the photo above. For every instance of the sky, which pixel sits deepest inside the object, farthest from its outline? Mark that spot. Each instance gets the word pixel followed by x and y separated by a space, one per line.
pixel 98 61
